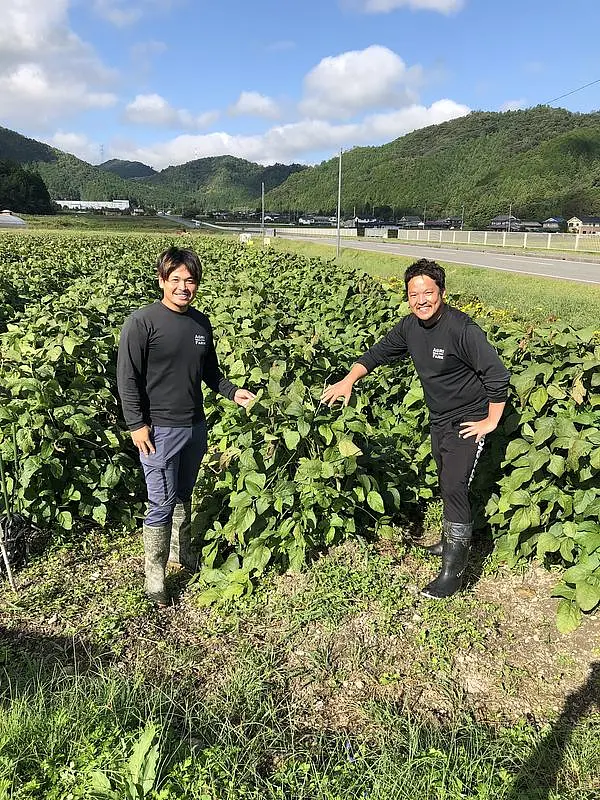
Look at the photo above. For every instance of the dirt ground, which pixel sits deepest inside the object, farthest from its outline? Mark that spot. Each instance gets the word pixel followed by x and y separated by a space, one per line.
pixel 349 633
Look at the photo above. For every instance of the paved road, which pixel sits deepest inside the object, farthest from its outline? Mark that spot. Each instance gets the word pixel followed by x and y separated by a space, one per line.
pixel 543 266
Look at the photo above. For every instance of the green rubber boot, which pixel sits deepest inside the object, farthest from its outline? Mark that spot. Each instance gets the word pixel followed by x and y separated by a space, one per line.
pixel 181 551
pixel 156 543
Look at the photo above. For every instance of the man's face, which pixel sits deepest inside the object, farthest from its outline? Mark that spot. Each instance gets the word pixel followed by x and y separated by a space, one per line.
pixel 424 297
pixel 179 289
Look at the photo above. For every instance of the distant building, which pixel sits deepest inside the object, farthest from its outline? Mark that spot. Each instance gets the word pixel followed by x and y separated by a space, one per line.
pixel 553 224
pixel 410 221
pixel 529 226
pixel 584 225
pixel 94 205
pixel 504 222
pixel 447 223
pixel 10 220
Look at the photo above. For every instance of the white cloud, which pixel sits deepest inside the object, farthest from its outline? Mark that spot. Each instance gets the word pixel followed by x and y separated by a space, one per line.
pixel 514 105
pixel 78 145
pixel 143 54
pixel 46 71
pixel 384 6
pixel 122 13
pixel 254 104
pixel 152 109
pixel 341 86
pixel 29 92
pixel 305 140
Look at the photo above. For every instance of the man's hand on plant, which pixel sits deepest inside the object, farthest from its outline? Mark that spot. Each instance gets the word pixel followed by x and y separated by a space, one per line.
pixel 339 391
pixel 243 397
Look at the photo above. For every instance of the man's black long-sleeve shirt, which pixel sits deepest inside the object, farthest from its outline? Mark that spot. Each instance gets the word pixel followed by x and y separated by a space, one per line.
pixel 460 371
pixel 164 356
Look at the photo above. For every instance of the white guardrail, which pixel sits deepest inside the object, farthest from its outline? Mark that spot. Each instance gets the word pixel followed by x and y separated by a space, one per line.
pixel 564 242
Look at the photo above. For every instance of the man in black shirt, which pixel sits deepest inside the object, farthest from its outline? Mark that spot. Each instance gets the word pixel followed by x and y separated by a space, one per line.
pixel 166 352
pixel 465 386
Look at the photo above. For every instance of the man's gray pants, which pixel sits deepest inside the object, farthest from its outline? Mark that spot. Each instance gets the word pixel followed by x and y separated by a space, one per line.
pixel 171 472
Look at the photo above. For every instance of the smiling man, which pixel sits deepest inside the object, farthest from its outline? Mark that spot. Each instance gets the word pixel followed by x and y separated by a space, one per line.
pixel 465 386
pixel 166 353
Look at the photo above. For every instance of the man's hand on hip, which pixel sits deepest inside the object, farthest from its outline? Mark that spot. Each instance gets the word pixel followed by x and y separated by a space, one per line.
pixel 477 429
pixel 143 441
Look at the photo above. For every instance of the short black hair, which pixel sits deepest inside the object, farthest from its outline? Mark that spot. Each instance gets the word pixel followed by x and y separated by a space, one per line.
pixel 429 268
pixel 174 257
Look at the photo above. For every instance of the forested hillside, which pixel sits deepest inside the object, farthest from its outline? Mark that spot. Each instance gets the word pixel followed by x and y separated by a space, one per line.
pixel 23 191
pixel 201 185
pixel 220 181
pixel 543 160
pixel 127 169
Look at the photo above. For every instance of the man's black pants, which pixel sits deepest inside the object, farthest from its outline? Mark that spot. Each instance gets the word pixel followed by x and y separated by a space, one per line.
pixel 456 459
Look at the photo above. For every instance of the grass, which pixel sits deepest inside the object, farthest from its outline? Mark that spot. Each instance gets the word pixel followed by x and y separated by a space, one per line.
pixel 338 682
pixel 100 222
pixel 529 298
pixel 61 730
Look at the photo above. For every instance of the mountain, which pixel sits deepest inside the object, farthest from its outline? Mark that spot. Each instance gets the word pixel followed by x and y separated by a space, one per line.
pixel 203 184
pixel 222 181
pixel 21 150
pixel 544 161
pixel 127 169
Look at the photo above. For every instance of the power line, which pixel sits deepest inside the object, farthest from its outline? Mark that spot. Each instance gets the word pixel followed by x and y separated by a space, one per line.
pixel 554 99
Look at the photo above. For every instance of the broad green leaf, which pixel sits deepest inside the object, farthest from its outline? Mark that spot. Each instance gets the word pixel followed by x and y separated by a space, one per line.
pixel 69 345
pixel 111 477
pixel 556 465
pixel 587 595
pixel 348 449
pixel 547 543
pixel 99 514
pixel 520 520
pixel 291 439
pixel 538 458
pixel 100 783
pixel 568 616
pixel 255 482
pixel 538 398
pixel 257 558
pixel 65 520
pixel 208 597
pixel 30 466
pixel 375 500
pixel 577 449
pixel 516 448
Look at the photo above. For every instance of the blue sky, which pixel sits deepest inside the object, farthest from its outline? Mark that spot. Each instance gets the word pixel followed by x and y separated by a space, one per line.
pixel 167 81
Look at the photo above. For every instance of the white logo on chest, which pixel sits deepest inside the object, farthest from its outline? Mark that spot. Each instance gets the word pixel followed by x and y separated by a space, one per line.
pixel 199 338
pixel 438 352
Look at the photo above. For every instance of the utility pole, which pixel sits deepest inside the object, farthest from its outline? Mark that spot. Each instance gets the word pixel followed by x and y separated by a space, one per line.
pixel 424 216
pixel 262 213
pixel 339 205
pixel 462 217
pixel 509 216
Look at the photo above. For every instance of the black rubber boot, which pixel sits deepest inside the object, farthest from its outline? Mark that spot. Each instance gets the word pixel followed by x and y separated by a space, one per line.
pixel 436 549
pixel 454 562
